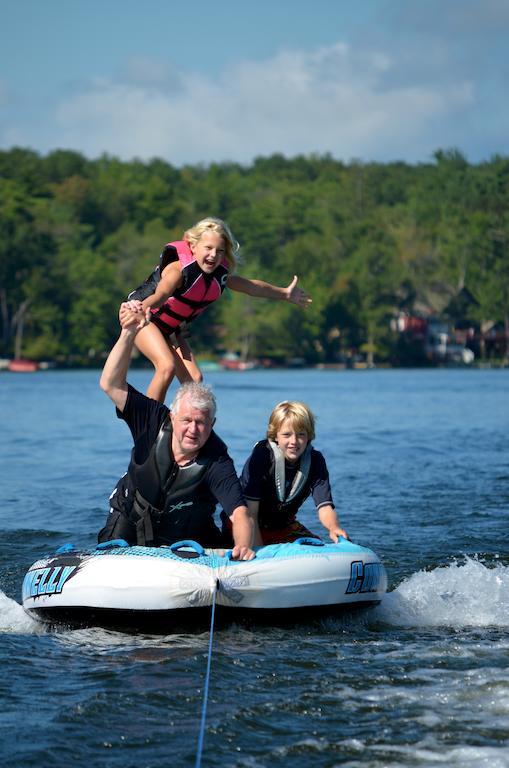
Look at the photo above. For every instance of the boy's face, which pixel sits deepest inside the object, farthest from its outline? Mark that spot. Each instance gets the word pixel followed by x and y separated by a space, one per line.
pixel 292 440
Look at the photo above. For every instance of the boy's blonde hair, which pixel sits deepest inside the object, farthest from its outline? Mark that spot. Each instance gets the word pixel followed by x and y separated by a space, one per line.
pixel 211 224
pixel 301 418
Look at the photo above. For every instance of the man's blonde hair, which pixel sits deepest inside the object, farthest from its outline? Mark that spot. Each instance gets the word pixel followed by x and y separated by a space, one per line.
pixel 301 418
pixel 219 227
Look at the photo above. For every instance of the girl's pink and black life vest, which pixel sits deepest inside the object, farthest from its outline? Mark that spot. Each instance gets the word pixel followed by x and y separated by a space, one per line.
pixel 197 291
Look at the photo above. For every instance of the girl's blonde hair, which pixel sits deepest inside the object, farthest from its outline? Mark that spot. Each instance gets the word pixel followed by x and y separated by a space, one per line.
pixel 301 418
pixel 211 224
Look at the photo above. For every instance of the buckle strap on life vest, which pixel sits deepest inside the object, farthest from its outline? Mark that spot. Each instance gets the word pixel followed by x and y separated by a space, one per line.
pixel 144 511
pixel 279 472
pixel 194 303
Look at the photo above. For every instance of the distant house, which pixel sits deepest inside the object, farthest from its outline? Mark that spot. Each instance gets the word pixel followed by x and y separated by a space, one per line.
pixel 440 327
pixel 441 345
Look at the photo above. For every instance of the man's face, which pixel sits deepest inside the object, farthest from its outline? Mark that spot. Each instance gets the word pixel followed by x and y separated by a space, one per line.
pixel 191 428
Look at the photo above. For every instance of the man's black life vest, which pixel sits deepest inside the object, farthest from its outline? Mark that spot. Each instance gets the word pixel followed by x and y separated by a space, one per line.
pixel 171 502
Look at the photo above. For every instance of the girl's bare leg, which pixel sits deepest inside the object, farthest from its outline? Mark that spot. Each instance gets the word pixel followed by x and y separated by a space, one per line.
pixel 151 343
pixel 187 368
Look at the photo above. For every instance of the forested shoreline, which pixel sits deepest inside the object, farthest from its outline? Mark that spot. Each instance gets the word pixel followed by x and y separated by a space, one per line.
pixel 376 245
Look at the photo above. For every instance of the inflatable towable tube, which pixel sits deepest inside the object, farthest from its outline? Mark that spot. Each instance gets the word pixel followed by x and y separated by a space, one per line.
pixel 160 588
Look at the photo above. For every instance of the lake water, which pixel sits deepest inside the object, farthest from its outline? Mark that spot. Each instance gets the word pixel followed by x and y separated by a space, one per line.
pixel 420 472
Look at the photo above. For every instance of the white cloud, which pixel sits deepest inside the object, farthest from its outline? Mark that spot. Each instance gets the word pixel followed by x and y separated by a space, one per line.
pixel 334 99
pixel 148 72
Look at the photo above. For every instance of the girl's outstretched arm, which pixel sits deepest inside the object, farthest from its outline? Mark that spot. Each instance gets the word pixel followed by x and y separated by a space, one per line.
pixel 263 290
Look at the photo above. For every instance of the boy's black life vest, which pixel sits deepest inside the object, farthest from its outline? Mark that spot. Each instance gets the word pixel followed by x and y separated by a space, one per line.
pixel 279 506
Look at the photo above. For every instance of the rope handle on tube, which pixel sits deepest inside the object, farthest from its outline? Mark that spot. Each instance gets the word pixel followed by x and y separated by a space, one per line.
pixel 187 544
pixel 309 541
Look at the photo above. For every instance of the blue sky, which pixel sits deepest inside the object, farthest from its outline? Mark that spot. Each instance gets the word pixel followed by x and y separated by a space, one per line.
pixel 200 82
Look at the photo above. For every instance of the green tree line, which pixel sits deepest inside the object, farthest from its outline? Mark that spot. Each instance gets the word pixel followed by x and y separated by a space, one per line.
pixel 367 240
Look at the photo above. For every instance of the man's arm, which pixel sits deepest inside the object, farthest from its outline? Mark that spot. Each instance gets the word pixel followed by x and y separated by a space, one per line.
pixel 242 531
pixel 114 376
pixel 223 484
pixel 254 505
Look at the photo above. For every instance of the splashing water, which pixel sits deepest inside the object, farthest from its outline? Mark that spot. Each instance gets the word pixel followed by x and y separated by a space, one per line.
pixel 466 594
pixel 13 618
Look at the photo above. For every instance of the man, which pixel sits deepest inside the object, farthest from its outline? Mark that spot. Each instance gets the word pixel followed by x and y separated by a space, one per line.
pixel 179 470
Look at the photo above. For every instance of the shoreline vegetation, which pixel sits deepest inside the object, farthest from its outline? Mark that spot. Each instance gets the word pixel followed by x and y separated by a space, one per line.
pixel 407 265
pixel 24 365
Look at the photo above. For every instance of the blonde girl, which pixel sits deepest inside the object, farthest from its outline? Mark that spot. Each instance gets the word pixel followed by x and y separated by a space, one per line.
pixel 192 273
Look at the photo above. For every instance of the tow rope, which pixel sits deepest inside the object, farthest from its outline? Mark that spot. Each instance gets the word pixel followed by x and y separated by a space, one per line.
pixel 201 734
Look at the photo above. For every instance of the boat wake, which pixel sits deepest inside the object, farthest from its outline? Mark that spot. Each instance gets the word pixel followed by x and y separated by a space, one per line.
pixel 462 594
pixel 13 618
